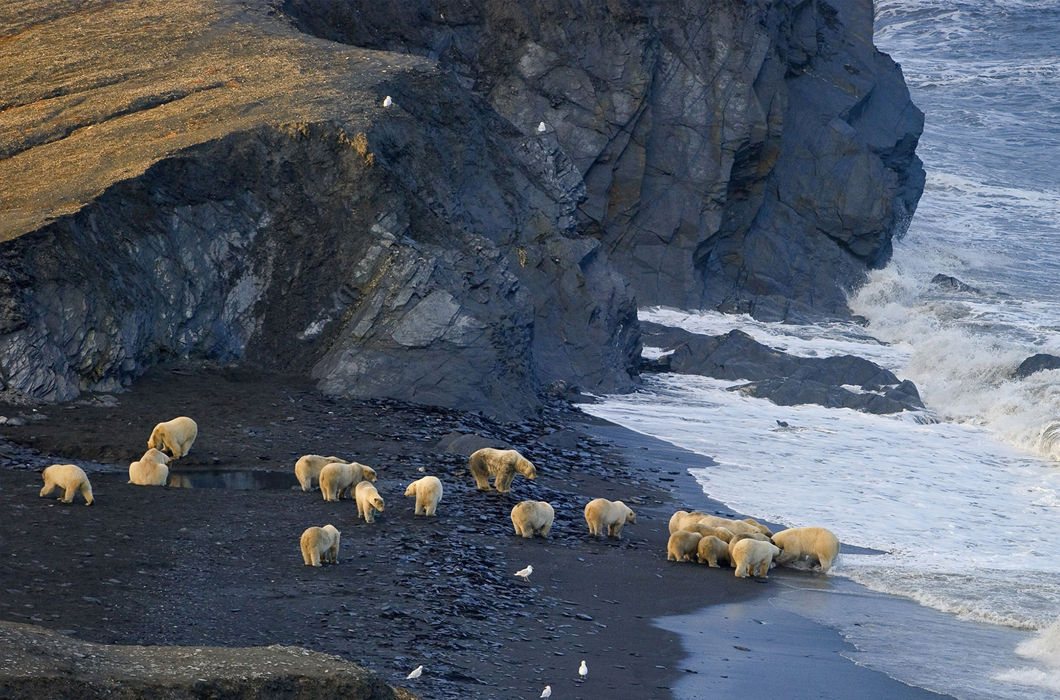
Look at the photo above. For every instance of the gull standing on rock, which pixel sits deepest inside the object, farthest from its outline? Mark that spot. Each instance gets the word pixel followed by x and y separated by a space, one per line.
pixel 524 574
pixel 583 670
pixel 542 128
pixel 387 101
pixel 547 692
pixel 416 672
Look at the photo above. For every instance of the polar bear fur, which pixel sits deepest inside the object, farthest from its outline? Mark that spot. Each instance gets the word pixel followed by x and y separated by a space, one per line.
pixel 428 492
pixel 752 557
pixel 603 515
pixel 177 436
pixel 70 478
pixel 761 528
pixel 711 549
pixel 533 518
pixel 683 546
pixel 502 465
pixel 723 534
pixel 320 543
pixel 307 469
pixel 815 543
pixel 151 469
pixel 338 479
pixel 682 519
pixel 368 501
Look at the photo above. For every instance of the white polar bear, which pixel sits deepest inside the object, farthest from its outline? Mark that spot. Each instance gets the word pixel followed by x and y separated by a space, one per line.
pixel 723 534
pixel 752 557
pixel 428 492
pixel 151 469
pixel 70 478
pixel 368 501
pixel 711 549
pixel 177 436
pixel 533 518
pixel 338 478
pixel 682 519
pixel 683 546
pixel 814 543
pixel 320 543
pixel 602 515
pixel 307 469
pixel 502 465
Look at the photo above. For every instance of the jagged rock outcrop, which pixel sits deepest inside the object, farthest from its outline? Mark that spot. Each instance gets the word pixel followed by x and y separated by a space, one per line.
pixel 272 210
pixel 38 664
pixel 842 381
pixel 1036 363
pixel 754 156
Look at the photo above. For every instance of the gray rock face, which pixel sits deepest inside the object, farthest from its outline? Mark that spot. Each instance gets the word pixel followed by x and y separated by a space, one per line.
pixel 1037 363
pixel 754 156
pixel 843 381
pixel 442 267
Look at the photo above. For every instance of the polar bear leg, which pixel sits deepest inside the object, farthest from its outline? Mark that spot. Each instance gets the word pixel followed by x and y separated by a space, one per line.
pixel 503 482
pixel 49 486
pixel 545 530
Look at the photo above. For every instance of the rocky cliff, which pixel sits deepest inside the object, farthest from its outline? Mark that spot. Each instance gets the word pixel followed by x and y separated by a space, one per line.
pixel 755 155
pixel 220 180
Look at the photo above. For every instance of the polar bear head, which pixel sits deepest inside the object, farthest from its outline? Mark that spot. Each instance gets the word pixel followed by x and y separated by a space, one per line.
pixel 525 467
pixel 368 474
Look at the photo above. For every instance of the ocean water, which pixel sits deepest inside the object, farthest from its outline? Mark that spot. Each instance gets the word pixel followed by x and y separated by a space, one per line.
pixel 965 496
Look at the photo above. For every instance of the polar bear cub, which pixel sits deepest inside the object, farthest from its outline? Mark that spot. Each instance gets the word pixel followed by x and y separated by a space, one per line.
pixel 307 469
pixel 809 542
pixel 533 518
pixel 177 436
pixel 320 543
pixel 428 492
pixel 603 515
pixel 752 557
pixel 683 546
pixel 368 501
pixel 502 465
pixel 70 478
pixel 151 469
pixel 712 549
pixel 339 478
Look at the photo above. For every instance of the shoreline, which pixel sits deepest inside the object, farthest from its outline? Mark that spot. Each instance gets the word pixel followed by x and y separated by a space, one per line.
pixel 220 566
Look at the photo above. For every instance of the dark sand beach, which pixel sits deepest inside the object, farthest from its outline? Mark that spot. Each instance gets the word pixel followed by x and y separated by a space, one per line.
pixel 221 566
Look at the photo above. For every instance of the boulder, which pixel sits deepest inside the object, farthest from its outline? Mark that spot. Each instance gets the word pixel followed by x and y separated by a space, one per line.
pixel 1036 363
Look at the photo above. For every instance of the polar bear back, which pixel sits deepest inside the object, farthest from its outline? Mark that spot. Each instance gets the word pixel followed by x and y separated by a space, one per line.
pixel 682 546
pixel 682 520
pixel 811 542
pixel 307 469
pixel 533 517
pixel 428 493
pixel 752 556
pixel 177 436
pixel 320 543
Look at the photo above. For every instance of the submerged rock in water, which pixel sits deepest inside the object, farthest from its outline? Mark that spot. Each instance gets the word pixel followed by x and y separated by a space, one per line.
pixel 1036 363
pixel 948 282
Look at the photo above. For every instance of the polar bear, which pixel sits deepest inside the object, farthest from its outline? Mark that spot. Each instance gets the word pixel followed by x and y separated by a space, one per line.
pixel 533 518
pixel 682 546
pixel 752 557
pixel 177 436
pixel 711 549
pixel 723 534
pixel 339 478
pixel 307 469
pixel 368 501
pixel 814 543
pixel 502 465
pixel 70 478
pixel 320 543
pixel 761 528
pixel 602 514
pixel 682 519
pixel 151 469
pixel 428 491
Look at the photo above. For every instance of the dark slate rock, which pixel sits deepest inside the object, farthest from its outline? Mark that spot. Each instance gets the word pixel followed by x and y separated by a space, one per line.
pixel 1036 363
pixel 464 444
pixel 952 283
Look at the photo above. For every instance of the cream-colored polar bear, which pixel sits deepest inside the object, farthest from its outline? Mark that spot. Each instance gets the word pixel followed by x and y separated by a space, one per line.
pixel 151 469
pixel 338 479
pixel 307 469
pixel 723 534
pixel 70 478
pixel 683 546
pixel 711 549
pixel 320 543
pixel 814 543
pixel 761 528
pixel 502 465
pixel 428 492
pixel 602 515
pixel 368 501
pixel 177 436
pixel 682 519
pixel 533 518
pixel 752 557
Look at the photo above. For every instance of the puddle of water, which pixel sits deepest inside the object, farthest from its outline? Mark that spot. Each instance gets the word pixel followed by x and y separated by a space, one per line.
pixel 247 479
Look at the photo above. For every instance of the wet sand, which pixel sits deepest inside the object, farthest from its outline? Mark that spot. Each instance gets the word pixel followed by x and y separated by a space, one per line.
pixel 221 566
